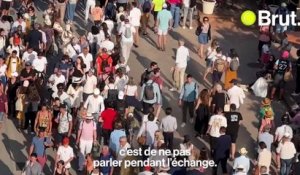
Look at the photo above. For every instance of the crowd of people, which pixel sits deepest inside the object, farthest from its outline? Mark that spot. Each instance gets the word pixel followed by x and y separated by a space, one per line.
pixel 89 107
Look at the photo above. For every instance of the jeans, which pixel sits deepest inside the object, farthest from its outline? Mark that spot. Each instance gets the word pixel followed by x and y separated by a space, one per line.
pixel 71 11
pixel 169 137
pixel 187 106
pixel 285 166
pixel 175 11
pixel 89 5
pixel 85 147
pixel 179 77
pixel 188 11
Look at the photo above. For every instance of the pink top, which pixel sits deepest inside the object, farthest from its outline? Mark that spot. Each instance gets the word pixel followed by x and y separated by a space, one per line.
pixel 264 33
pixel 87 131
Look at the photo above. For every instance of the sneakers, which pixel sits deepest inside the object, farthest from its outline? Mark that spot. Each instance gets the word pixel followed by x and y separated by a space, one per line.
pixel 173 89
pixel 182 125
pixel 191 120
pixel 191 28
pixel 295 94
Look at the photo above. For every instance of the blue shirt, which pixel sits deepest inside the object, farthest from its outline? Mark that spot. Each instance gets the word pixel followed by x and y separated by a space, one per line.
pixel 156 90
pixel 164 17
pixel 189 92
pixel 106 169
pixel 39 147
pixel 242 160
pixel 115 138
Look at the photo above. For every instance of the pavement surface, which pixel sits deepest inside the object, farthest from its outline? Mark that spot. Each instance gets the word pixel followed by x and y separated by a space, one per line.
pixel 226 27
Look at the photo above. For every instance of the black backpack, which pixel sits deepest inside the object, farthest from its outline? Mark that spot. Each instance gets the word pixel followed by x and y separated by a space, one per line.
pixel 104 64
pixel 121 106
pixel 149 91
pixel 112 94
pixel 193 3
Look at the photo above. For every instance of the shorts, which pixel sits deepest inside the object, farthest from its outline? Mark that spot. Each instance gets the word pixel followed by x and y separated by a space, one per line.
pixel 2 117
pixel 233 137
pixel 5 5
pixel 155 15
pixel 203 38
pixel 162 32
pixel 279 81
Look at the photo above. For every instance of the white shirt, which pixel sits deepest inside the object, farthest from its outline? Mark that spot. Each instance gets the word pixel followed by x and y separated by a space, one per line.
pixel 87 59
pixel 57 80
pixel 149 128
pixel 39 64
pixel 120 82
pixel 123 65
pixel 186 3
pixel 44 38
pixel 3 70
pixel 29 56
pixel 90 84
pixel 146 173
pixel 135 17
pixel 281 130
pixel 216 56
pixel 108 45
pixel 286 150
pixel 62 97
pixel 182 55
pixel 242 160
pixel 211 53
pixel 110 25
pixel 71 51
pixel 125 147
pixel 11 48
pixel 130 90
pixel 65 153
pixel 216 122
pixel 122 33
pixel 236 95
pixel 94 105
pixel 168 124
pixel 17 23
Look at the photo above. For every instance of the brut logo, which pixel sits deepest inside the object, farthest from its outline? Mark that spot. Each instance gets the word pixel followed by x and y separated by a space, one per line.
pixel 265 17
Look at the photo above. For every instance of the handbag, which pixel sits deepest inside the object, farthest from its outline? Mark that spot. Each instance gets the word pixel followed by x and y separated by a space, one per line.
pixel 227 105
pixel 19 105
pixel 288 76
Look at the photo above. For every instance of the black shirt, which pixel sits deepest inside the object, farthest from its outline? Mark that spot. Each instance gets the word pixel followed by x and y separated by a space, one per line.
pixel 34 39
pixel 218 100
pixel 298 66
pixel 233 120
pixel 26 74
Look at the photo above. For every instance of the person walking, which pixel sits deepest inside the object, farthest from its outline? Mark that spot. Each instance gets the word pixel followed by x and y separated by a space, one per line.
pixel 61 7
pixel 175 6
pixel 127 33
pixel 65 124
pixel 168 125
pixel 33 166
pixel 65 153
pixel 164 19
pixel 95 104
pixel 86 137
pixel 202 113
pixel 187 99
pixel 135 18
pixel 182 58
pixel 71 7
pixel 236 94
pixel 90 4
pixel 204 35
pixel 188 11
pixel 242 160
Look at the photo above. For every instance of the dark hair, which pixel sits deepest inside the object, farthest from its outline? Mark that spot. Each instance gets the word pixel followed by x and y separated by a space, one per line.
pixel 151 109
pixel 133 4
pixel 111 79
pixel 218 49
pixel 33 155
pixel 204 97
pixel 203 154
pixel 233 53
pixel 118 125
pixel 219 110
pixel 61 162
pixel 152 64
pixel 233 107
pixel 151 117
pixel 262 145
pixel 156 70
pixel 189 76
pixel 94 30
pixel 122 18
pixel 168 111
pixel 223 129
pixel 298 54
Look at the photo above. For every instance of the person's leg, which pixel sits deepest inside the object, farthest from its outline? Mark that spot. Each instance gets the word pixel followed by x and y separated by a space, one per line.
pixel 224 165
pixel 191 107
pixel 171 138
pixel 201 50
pixel 215 168
pixel 81 158
pixel 297 90
pixel 136 35
pixel 191 13
pixel 32 120
pixel 177 17
pixel 159 45
pixel 233 147
pixel 27 117
pixel 185 14
pixel 184 111
pixel 164 41
pixel 72 8
pixel 143 22
pixel 87 10
pixel 181 78
pixel 288 165
pixel 89 146
pixel 177 79
pixel 63 11
pixel 282 167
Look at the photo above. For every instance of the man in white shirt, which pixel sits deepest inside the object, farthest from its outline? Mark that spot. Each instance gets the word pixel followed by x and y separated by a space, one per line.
pixel 107 44
pixel 284 128
pixel 236 94
pixel 19 22
pixel 127 32
pixel 215 123
pixel 64 98
pixel 55 79
pixel 95 104
pixel 242 160
pixel 90 83
pixel 73 49
pixel 29 56
pixel 65 153
pixel 87 58
pixel 40 64
pixel 182 57
pixel 168 125
pixel 135 18
pixel 123 146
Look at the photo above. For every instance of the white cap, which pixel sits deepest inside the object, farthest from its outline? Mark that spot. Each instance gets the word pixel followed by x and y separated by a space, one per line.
pixel 121 95
pixel 96 91
pixel 15 74
pixel 165 5
pixel 26 83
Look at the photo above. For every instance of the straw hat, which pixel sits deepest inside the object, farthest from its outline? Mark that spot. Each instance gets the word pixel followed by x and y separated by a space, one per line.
pixel 243 151
pixel 268 114
pixel 266 102
pixel 89 116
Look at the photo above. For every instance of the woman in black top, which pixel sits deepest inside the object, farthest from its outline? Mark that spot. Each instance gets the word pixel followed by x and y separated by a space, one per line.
pixel 59 169
pixel 218 98
pixel 202 113
pixel 79 68
pixel 11 91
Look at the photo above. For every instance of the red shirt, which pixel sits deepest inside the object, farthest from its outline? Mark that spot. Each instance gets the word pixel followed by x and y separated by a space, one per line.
pixel 99 61
pixel 157 80
pixel 108 116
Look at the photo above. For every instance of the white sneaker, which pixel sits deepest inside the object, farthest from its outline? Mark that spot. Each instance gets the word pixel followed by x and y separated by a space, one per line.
pixel 191 28
pixel 183 27
pixel 182 125
pixel 173 89
pixel 191 120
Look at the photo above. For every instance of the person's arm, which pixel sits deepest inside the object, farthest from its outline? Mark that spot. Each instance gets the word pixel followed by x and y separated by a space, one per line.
pixel 70 127
pixel 102 106
pixel 30 150
pixel 95 133
pixel 175 124
pixel 36 122
pixel 57 157
pixel 208 129
pixel 158 94
pixel 50 123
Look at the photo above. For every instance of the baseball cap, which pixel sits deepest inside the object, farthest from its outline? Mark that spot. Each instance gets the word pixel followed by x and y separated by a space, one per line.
pixel 66 141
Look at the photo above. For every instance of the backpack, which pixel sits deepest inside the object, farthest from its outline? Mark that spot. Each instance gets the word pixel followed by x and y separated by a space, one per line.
pixel 220 65
pixel 234 64
pixel 193 3
pixel 111 11
pixel 128 32
pixel 146 6
pixel 112 94
pixel 149 91
pixel 104 64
